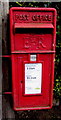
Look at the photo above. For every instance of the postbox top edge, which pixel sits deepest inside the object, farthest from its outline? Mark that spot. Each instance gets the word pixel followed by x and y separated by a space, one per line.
pixel 32 8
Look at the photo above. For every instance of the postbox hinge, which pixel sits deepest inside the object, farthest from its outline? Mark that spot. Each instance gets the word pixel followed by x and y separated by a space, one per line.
pixel 7 93
pixel 5 56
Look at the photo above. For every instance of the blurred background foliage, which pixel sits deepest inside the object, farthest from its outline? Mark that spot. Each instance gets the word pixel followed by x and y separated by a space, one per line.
pixel 57 6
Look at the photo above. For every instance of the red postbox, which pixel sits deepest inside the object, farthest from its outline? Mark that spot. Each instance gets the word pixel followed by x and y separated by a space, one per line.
pixel 33 40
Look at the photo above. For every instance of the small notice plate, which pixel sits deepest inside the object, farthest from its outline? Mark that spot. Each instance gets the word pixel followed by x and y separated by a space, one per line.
pixel 33 78
pixel 32 57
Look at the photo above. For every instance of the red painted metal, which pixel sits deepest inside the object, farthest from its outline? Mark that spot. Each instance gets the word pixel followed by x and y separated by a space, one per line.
pixel 32 32
pixel 39 51
pixel 8 93
pixel 34 25
pixel 5 56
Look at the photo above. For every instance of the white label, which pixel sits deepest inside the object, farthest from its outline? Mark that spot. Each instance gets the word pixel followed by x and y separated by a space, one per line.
pixel 33 78
pixel 32 57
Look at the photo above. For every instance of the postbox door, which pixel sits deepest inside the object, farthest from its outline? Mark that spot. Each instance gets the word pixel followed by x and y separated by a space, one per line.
pixel 32 89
